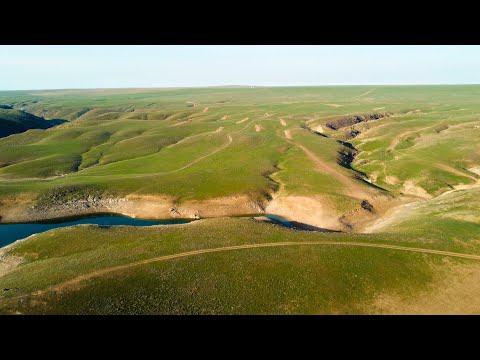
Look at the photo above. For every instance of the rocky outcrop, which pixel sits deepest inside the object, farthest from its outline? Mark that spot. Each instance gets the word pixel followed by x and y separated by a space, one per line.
pixel 76 206
pixel 367 206
pixel 74 201
pixel 352 133
pixel 174 212
pixel 352 120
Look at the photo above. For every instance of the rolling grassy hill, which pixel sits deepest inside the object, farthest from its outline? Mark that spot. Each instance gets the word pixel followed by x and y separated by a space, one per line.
pixel 16 121
pixel 236 266
pixel 401 163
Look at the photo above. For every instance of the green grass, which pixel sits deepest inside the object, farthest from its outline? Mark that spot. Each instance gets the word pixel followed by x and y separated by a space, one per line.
pixel 329 279
pixel 155 142
pixel 14 121
pixel 452 219
pixel 118 135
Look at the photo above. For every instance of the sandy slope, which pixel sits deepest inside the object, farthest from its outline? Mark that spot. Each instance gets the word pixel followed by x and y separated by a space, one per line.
pixel 314 211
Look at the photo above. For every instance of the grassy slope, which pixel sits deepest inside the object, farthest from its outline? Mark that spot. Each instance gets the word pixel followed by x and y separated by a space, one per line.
pixel 14 121
pixel 125 142
pixel 329 279
pixel 452 219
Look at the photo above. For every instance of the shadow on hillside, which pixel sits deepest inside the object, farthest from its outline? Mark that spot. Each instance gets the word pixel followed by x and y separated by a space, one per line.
pixel 301 226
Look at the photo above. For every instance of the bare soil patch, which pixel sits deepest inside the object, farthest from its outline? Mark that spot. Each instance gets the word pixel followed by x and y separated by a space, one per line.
pixel 409 187
pixel 333 105
pixel 319 129
pixel 243 120
pixel 312 210
pixel 454 290
pixel 8 263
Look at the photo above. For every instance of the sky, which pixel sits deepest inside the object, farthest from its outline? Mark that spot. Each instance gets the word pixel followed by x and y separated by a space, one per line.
pixel 99 66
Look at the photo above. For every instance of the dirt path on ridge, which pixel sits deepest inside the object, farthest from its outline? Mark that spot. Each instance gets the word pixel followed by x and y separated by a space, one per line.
pixel 243 120
pixel 365 93
pixel 353 189
pixel 113 269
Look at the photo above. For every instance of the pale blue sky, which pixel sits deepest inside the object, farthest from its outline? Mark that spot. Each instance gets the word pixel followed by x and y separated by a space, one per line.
pixel 61 67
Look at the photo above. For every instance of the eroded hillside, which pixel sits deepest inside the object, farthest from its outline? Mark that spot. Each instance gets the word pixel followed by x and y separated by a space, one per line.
pixel 333 157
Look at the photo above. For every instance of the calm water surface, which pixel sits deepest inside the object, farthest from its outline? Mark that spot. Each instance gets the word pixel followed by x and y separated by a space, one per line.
pixel 10 233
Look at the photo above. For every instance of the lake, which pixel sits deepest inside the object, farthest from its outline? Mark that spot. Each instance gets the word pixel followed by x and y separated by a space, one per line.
pixel 10 233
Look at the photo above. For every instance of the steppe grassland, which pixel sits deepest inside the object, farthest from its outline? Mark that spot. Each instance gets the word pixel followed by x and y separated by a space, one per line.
pixel 155 142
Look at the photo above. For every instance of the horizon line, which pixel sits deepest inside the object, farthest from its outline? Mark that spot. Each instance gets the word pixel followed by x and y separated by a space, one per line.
pixel 233 86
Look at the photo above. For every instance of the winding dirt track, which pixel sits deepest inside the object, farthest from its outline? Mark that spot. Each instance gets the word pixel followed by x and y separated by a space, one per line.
pixel 351 187
pixel 229 141
pixel 365 93
pixel 203 157
pixel 101 272
pixel 243 120
pixel 220 129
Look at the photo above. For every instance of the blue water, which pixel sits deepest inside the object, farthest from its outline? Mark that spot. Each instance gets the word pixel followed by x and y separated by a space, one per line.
pixel 280 220
pixel 10 233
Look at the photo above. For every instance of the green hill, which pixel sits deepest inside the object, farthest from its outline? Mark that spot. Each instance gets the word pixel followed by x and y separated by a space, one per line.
pixel 238 266
pixel 393 170
pixel 16 121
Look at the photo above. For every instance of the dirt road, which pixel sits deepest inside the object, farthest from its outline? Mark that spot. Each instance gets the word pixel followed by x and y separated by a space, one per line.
pixel 365 93
pixel 351 187
pixel 113 269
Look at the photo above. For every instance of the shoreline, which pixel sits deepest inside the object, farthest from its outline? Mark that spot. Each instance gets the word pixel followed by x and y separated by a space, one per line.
pixel 307 212
pixel 63 219
pixel 97 221
pixel 147 207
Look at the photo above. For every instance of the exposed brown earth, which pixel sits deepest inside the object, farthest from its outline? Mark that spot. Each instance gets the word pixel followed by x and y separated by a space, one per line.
pixel 181 122
pixel 8 262
pixel 409 187
pixel 318 129
pixel 16 208
pixel 365 93
pixel 312 210
pixel 143 206
pixel 243 120
pixel 351 187
pixel 334 105
pixel 352 120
